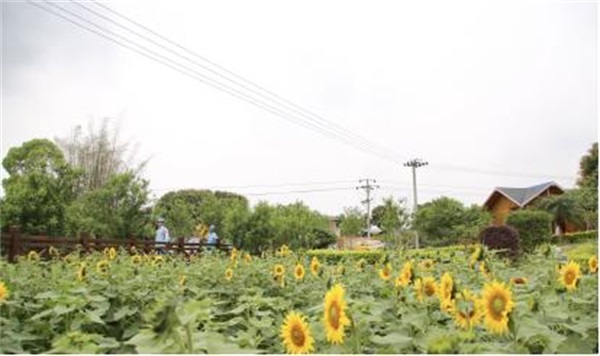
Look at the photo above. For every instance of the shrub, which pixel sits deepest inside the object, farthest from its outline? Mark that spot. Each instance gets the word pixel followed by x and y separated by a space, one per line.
pixel 502 238
pixel 335 256
pixel 534 227
pixel 576 236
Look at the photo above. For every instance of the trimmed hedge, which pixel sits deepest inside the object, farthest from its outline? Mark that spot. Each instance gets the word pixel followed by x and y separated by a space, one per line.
pixel 576 236
pixel 335 256
pixel 502 238
pixel 534 227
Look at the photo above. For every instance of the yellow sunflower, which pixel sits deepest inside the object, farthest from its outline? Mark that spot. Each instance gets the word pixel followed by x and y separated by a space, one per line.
pixel 447 305
pixel 427 264
pixel 157 260
pixel 52 251
pixel 399 281
pixel 281 280
pixel 406 274
pixel 360 265
pixel 33 256
pixel 81 272
pixel 429 286
pixel 466 310
pixel 386 272
pixel 299 271
pixel 334 315
pixel 569 275
pixel 102 267
pixel 593 264
pixel 247 258
pixel 419 289
pixel 296 334
pixel 3 292
pixel 496 302
pixel 278 270
pixel 518 280
pixel 112 253
pixel 315 266
pixel 446 287
pixel 136 259
pixel 228 274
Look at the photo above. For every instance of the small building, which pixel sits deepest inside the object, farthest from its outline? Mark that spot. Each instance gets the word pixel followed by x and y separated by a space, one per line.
pixel 503 200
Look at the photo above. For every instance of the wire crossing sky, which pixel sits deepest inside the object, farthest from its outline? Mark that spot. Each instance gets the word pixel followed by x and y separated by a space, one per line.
pixel 485 103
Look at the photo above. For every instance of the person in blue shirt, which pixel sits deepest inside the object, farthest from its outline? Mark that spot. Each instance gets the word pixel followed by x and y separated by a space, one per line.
pixel 212 239
pixel 162 234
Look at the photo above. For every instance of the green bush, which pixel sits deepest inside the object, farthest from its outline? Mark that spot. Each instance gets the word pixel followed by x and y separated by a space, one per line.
pixel 335 256
pixel 576 236
pixel 534 227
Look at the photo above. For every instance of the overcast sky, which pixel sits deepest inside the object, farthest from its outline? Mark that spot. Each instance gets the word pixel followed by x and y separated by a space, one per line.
pixel 502 87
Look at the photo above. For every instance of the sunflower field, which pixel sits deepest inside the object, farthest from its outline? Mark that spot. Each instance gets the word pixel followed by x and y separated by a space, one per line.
pixel 460 300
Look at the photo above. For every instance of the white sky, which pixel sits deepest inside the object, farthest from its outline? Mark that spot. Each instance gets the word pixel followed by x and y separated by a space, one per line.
pixel 500 86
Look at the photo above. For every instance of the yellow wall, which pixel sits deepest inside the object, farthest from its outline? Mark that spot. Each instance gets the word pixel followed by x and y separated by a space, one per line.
pixel 501 208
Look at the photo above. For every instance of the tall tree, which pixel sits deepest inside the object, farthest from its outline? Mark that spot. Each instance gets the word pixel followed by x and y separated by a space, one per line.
pixel 118 209
pixel 38 189
pixel 352 222
pixel 563 208
pixel 588 169
pixel 99 154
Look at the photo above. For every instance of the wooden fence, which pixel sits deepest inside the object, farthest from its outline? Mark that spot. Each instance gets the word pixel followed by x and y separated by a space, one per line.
pixel 14 243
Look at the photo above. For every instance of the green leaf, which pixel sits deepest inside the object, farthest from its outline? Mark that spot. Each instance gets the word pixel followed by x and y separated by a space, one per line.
pixel 93 317
pixel 61 310
pixel 393 339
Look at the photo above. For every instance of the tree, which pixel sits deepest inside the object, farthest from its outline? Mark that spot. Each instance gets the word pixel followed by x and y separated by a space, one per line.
pixel 563 208
pixel 446 221
pixel 99 155
pixel 352 222
pixel 40 186
pixel 115 210
pixel 392 217
pixel 297 226
pixel 260 232
pixel 588 169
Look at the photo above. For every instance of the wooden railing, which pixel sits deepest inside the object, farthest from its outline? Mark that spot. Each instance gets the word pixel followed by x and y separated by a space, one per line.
pixel 14 244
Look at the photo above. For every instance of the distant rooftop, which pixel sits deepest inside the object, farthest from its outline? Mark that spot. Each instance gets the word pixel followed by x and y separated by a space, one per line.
pixel 522 196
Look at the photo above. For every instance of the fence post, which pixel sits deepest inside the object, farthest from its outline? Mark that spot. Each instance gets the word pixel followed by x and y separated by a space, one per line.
pixel 85 241
pixel 181 244
pixel 15 242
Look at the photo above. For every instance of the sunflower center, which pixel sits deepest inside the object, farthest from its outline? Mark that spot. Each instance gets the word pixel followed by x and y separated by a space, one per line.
pixel 498 305
pixel 569 277
pixel 429 289
pixel 298 336
pixel 334 315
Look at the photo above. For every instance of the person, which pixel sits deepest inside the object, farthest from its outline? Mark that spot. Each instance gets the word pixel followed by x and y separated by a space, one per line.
pixel 162 234
pixel 212 239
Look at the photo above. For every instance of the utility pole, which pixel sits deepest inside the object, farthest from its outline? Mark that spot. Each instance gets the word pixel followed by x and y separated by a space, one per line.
pixel 415 163
pixel 368 187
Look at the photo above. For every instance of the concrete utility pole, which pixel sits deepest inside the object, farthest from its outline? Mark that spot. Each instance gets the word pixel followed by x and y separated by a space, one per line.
pixel 368 187
pixel 415 163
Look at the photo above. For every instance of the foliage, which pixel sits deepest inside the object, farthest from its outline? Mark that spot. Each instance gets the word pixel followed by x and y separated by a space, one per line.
pixel 588 169
pixel 392 218
pixel 38 189
pixel 335 256
pixel 502 238
pixel 352 222
pixel 534 227
pixel 99 154
pixel 576 236
pixel 114 210
pixel 586 200
pixel 296 225
pixel 563 208
pixel 166 304
pixel 445 221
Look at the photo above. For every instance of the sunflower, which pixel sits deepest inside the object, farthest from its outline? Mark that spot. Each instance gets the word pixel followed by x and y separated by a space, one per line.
pixel 399 281
pixel 52 251
pixel 386 272
pixel 112 253
pixel 234 255
pixel 419 289
pixel 447 305
pixel 593 264
pixel 427 264
pixel 466 310
pixel 496 302
pixel 334 315
pixel 296 334
pixel 569 275
pixel 360 265
pixel 484 270
pixel 283 251
pixel 476 256
pixel 136 259
pixel 182 280
pixel 33 256
pixel 518 280
pixel 102 267
pixel 429 286
pixel 228 274
pixel 81 272
pixel 299 271
pixel 3 292
pixel 247 258
pixel 157 260
pixel 315 266
pixel 406 274
pixel 278 270
pixel 446 287
pixel 281 280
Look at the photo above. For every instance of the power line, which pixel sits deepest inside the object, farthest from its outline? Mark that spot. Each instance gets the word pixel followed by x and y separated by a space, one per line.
pixel 308 118
pixel 204 79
